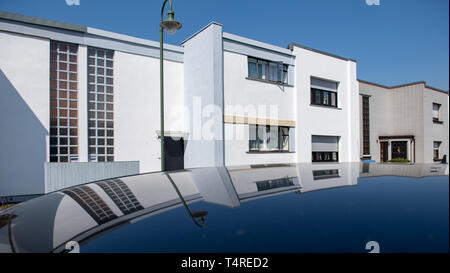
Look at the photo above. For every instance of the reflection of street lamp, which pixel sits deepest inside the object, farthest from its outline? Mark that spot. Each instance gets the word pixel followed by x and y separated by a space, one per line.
pixel 170 25
pixel 200 215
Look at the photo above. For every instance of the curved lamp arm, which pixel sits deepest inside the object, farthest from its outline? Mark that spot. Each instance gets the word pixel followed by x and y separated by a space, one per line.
pixel 162 9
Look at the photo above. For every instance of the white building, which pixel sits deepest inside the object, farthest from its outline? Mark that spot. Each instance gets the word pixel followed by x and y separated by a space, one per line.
pixel 408 121
pixel 80 104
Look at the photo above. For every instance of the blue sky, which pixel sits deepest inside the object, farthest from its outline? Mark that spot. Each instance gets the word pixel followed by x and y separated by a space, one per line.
pixel 397 42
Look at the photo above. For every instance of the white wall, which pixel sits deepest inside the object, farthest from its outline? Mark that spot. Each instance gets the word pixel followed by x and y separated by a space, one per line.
pixel 265 99
pixel 435 131
pixel 316 120
pixel 136 107
pixel 407 110
pixel 24 111
pixel 203 74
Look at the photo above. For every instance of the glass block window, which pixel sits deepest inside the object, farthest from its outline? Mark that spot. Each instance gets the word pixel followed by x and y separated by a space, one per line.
pixel 100 105
pixel 63 102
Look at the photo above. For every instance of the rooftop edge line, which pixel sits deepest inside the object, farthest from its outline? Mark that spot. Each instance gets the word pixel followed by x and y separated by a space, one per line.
pixel 291 47
pixel 403 85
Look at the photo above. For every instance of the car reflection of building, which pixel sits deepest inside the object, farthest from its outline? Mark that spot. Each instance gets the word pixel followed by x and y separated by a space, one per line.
pixel 404 170
pixel 86 211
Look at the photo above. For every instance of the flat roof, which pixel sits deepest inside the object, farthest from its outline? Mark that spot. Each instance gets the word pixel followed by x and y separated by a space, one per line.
pixel 85 30
pixel 291 46
pixel 403 85
pixel 41 22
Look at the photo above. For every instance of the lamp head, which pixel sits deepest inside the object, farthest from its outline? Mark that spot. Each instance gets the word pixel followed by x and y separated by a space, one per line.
pixel 170 25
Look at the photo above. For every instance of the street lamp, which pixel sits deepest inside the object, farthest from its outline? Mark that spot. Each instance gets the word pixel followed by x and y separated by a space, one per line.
pixel 171 26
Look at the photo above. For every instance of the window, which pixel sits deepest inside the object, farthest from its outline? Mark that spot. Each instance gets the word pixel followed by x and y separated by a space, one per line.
pixel 399 149
pixel 273 184
pixel 436 112
pixel 268 138
pixel 325 174
pixel 436 145
pixel 324 93
pixel 63 102
pixel 101 105
pixel 266 70
pixel 365 125
pixel 325 149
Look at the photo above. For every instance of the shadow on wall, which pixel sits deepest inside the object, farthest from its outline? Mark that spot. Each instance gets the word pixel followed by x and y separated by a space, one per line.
pixel 22 144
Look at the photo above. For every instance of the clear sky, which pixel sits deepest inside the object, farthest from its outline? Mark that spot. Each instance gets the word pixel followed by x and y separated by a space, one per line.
pixel 396 42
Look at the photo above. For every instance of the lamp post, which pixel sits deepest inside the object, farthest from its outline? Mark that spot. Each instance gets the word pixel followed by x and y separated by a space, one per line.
pixel 171 26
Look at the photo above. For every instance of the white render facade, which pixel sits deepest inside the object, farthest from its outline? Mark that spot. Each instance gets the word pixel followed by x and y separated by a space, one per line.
pixel 229 100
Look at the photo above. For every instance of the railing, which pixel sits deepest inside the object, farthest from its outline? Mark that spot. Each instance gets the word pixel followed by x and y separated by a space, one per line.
pixel 63 175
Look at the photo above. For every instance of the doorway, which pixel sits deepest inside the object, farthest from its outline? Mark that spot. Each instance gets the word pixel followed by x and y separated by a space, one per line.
pixel 174 154
pixel 384 156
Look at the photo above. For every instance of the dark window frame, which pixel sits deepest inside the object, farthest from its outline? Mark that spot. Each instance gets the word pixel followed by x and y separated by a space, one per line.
pixel 324 155
pixel 282 70
pixel 366 125
pixel 325 174
pixel 438 119
pixel 323 93
pixel 437 150
pixel 280 138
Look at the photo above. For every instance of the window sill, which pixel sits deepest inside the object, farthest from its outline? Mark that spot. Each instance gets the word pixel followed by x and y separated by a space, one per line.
pixel 271 82
pixel 438 121
pixel 437 160
pixel 325 106
pixel 269 152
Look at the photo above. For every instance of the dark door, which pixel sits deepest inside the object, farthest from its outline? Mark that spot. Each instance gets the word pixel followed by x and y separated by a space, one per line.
pixel 174 154
pixel 383 151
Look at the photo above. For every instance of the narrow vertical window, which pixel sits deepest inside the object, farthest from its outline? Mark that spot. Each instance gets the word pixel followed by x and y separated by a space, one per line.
pixel 101 105
pixel 63 102
pixel 366 125
pixel 436 146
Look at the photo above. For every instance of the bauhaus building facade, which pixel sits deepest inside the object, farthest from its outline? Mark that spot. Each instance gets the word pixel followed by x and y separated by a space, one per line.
pixel 80 104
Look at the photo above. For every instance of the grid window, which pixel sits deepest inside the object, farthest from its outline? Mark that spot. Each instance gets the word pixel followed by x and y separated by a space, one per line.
pixel 101 105
pixel 366 128
pixel 63 102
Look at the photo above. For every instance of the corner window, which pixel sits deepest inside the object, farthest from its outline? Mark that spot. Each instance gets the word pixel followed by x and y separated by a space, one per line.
pixel 324 92
pixel 267 70
pixel 436 112
pixel 436 146
pixel 268 138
